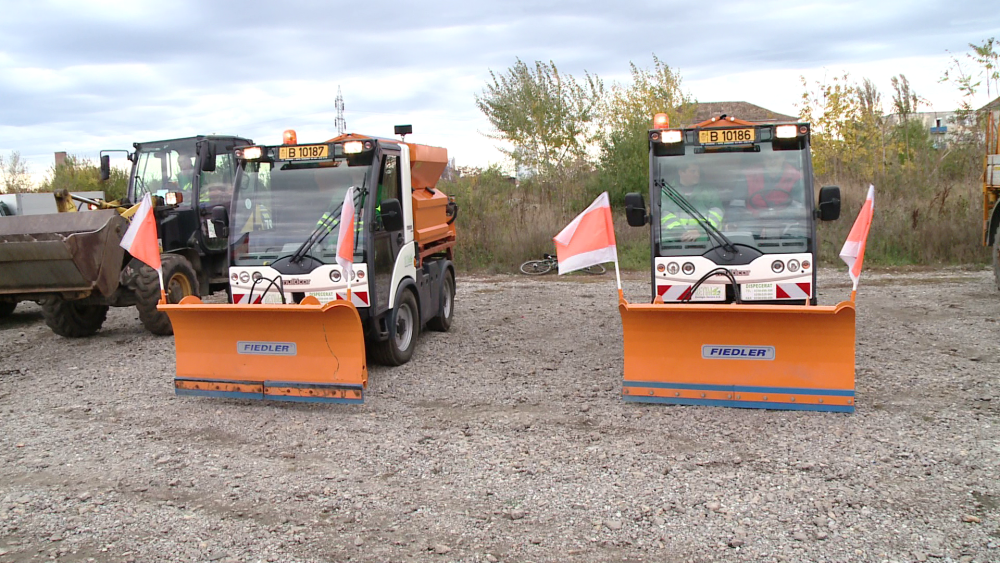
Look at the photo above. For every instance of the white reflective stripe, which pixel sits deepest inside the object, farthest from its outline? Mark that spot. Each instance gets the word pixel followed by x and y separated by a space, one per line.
pixel 585 259
pixel 793 291
pixel 567 233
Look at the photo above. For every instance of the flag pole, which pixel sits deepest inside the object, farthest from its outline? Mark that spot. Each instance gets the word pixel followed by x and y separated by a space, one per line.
pixel 854 293
pixel 163 291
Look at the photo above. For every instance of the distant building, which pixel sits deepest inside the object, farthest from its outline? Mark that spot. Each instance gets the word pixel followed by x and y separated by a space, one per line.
pixel 945 127
pixel 740 110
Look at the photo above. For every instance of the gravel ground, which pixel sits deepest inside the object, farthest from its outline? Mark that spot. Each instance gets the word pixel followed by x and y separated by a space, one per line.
pixel 506 440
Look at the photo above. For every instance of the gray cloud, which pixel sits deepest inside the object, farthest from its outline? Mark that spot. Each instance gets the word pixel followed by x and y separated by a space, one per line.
pixel 82 77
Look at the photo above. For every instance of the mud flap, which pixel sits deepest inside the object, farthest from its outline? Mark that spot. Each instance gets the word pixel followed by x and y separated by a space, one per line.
pixel 308 352
pixel 749 356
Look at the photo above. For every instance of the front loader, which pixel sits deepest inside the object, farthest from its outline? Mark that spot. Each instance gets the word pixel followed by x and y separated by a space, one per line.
pixel 72 264
pixel 297 329
pixel 734 319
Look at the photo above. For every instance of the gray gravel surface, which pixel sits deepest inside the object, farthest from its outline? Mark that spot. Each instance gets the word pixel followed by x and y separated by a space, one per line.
pixel 506 440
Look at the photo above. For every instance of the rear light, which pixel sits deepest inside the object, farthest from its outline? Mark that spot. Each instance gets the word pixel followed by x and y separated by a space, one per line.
pixel 661 121
pixel 289 137
pixel 335 275
pixel 173 198
pixel 687 268
pixel 777 266
pixel 793 266
pixel 785 131
pixel 353 147
pixel 672 136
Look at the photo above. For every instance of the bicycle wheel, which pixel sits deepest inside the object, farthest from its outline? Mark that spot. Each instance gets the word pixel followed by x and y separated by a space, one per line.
pixel 536 267
pixel 596 269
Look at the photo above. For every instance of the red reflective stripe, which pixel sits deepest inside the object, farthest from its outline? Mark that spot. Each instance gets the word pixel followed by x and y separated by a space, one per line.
pixel 780 293
pixel 661 289
pixel 805 287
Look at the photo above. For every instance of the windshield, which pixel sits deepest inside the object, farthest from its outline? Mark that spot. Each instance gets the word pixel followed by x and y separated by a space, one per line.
pixel 756 196
pixel 165 167
pixel 276 206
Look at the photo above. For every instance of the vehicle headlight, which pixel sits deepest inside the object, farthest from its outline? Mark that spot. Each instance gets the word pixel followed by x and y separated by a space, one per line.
pixel 777 266
pixel 687 268
pixel 244 277
pixel 793 265
pixel 256 276
pixel 673 268
pixel 335 275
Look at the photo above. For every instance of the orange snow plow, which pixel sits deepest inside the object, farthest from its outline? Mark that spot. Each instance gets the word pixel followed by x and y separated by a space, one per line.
pixel 752 356
pixel 734 319
pixel 305 352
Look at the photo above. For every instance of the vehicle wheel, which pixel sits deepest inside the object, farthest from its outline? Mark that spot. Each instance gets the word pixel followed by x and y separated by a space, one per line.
pixel 536 267
pixel 73 319
pixel 442 322
pixel 404 328
pixel 181 281
pixel 996 256
pixel 6 308
pixel 596 269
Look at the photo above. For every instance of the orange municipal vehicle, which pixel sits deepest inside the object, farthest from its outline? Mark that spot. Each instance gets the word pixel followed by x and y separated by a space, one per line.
pixel 734 319
pixel 298 329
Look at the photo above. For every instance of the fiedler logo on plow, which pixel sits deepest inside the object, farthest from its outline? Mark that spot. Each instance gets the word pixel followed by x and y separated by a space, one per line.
pixel 716 352
pixel 266 348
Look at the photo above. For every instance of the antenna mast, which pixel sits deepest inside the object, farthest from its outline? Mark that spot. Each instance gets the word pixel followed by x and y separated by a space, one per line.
pixel 340 123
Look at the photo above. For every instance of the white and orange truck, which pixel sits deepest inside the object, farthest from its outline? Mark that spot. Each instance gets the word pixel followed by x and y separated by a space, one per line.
pixel 296 328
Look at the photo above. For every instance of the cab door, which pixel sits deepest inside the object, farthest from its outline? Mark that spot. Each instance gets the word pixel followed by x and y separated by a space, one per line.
pixel 386 244
pixel 215 189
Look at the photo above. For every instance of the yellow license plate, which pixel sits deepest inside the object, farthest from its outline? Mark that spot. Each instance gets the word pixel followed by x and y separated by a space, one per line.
pixel 725 136
pixel 304 151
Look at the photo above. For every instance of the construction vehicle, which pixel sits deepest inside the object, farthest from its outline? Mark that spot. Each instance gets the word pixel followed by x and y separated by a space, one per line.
pixel 298 329
pixel 734 319
pixel 72 264
pixel 991 187
pixel 39 203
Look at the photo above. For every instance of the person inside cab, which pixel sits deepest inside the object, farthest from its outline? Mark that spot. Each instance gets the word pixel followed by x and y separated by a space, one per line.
pixel 185 175
pixel 676 223
pixel 774 185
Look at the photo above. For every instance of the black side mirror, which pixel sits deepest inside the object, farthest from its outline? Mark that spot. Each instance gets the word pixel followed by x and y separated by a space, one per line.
pixel 207 151
pixel 392 215
pixel 105 167
pixel 635 210
pixel 220 220
pixel 829 203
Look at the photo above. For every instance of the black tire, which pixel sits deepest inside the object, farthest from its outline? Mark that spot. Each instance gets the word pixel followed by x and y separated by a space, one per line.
pixel 446 311
pixel 404 328
pixel 181 281
pixel 536 267
pixel 73 319
pixel 6 308
pixel 596 269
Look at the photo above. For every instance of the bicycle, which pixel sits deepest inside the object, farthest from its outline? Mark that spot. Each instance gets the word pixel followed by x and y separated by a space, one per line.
pixel 549 262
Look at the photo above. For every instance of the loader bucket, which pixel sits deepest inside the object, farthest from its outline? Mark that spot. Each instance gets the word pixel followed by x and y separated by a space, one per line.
pixel 308 352
pixel 751 356
pixel 61 252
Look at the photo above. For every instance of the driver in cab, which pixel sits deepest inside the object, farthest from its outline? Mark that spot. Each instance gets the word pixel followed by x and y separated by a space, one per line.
pixel 677 223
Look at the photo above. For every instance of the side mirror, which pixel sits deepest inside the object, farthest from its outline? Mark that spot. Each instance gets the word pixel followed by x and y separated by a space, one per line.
pixel 635 210
pixel 105 167
pixel 392 215
pixel 829 203
pixel 207 151
pixel 220 220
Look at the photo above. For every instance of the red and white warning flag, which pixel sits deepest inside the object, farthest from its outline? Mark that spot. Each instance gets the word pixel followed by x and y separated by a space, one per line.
pixel 141 240
pixel 589 239
pixel 853 253
pixel 345 239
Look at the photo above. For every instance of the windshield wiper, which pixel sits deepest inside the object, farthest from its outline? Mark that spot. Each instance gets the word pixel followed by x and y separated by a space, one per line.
pixel 685 205
pixel 325 225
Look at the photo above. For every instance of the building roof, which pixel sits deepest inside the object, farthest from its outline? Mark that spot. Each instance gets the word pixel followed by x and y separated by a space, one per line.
pixel 740 110
pixel 995 104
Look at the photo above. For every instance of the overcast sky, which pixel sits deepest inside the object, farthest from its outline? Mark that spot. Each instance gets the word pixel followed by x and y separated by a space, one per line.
pixel 82 76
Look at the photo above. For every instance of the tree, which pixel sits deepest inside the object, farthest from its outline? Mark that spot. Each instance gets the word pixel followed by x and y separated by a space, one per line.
pixel 905 101
pixel 545 115
pixel 81 175
pixel 627 116
pixel 14 177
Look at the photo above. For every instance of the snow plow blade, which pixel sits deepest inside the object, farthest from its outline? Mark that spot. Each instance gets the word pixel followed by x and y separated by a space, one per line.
pixel 307 352
pixel 749 356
